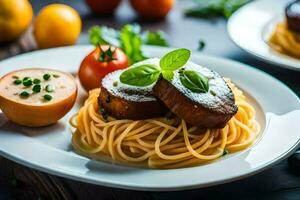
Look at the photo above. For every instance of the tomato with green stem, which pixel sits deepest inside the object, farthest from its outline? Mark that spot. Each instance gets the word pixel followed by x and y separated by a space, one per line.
pixel 100 62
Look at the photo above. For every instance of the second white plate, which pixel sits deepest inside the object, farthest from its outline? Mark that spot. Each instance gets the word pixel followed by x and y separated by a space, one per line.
pixel 251 26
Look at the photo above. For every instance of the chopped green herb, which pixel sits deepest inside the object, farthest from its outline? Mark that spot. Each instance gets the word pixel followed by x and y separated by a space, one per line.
pixel 17 82
pixel 201 45
pixel 213 93
pixel 36 88
pixel 225 152
pixel 47 97
pixel 24 94
pixel 55 75
pixel 115 83
pixel 104 113
pixel 46 77
pixel 27 82
pixel 36 81
pixel 49 88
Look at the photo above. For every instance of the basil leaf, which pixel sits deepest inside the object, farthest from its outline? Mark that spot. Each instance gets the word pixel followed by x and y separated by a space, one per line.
pixel 194 81
pixel 174 59
pixel 143 75
pixel 131 43
pixel 155 38
pixel 168 75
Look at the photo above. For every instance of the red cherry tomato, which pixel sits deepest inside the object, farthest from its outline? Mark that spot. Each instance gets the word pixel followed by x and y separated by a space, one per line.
pixel 101 61
pixel 103 7
pixel 152 9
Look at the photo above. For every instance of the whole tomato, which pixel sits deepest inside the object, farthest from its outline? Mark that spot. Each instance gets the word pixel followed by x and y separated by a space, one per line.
pixel 101 61
pixel 152 9
pixel 103 7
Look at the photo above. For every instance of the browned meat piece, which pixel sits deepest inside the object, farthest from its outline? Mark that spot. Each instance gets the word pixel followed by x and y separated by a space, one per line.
pixel 208 110
pixel 292 13
pixel 128 102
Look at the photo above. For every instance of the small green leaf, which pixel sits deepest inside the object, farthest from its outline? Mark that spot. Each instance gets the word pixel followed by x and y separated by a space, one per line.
pixel 174 59
pixel 194 81
pixel 131 43
pixel 143 75
pixel 155 38
pixel 168 75
pixel 103 35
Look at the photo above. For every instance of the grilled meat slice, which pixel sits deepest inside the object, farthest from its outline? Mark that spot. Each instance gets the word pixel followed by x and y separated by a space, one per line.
pixel 129 102
pixel 208 110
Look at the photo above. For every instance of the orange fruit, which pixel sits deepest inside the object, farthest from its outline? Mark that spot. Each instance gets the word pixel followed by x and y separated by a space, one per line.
pixel 15 17
pixel 56 25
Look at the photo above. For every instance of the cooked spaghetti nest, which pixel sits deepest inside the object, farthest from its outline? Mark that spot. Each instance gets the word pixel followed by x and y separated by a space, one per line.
pixel 285 41
pixel 160 142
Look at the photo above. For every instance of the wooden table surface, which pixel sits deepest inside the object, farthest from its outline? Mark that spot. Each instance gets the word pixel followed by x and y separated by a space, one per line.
pixel 275 183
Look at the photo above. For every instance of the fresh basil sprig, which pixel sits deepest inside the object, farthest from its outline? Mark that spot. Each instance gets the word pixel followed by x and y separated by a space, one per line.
pixel 194 81
pixel 145 75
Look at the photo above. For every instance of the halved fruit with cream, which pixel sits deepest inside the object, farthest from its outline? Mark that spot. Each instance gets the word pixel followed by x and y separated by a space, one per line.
pixel 37 97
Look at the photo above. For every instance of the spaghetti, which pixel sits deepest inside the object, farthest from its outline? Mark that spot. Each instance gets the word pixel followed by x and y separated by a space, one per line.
pixel 160 142
pixel 285 41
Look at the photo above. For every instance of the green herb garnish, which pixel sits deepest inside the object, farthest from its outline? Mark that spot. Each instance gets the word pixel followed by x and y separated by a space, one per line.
pixel 17 82
pixel 24 94
pixel 225 152
pixel 36 81
pixel 213 8
pixel 194 81
pixel 46 77
pixel 130 39
pixel 201 45
pixel 155 38
pixel 27 81
pixel 36 88
pixel 140 76
pixel 147 74
pixel 55 75
pixel 47 97
pixel 104 113
pixel 49 88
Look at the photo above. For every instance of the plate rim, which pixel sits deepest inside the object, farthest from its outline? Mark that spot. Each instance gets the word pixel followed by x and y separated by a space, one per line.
pixel 67 174
pixel 261 57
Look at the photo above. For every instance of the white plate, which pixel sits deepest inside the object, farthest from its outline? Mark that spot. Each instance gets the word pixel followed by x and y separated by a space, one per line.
pixel 251 26
pixel 50 150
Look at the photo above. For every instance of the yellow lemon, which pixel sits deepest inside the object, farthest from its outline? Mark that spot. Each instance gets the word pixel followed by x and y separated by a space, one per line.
pixel 56 25
pixel 15 17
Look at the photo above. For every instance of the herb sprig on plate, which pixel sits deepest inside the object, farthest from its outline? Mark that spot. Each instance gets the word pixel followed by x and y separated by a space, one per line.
pixel 213 8
pixel 129 38
pixel 147 74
